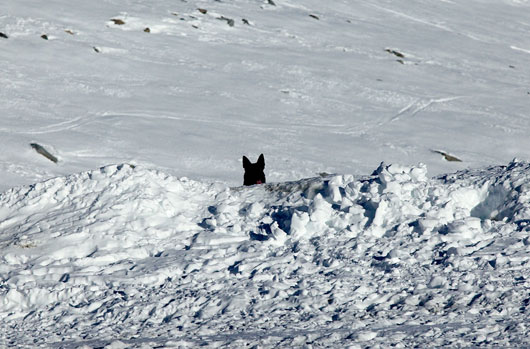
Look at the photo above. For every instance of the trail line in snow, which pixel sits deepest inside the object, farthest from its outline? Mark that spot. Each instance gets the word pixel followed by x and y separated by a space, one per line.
pixel 520 49
pixel 53 128
pixel 410 110
pixel 239 123
pixel 411 18
pixel 416 107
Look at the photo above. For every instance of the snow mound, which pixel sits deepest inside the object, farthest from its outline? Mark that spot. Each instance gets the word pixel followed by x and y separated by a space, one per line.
pixel 124 252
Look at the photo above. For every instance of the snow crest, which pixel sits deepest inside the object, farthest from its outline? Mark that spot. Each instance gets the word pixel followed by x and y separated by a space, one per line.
pixel 122 251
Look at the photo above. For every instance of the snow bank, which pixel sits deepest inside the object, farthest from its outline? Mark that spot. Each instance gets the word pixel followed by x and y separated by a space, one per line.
pixel 132 254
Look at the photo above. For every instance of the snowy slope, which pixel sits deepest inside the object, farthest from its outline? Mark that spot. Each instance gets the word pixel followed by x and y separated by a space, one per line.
pixel 194 94
pixel 395 258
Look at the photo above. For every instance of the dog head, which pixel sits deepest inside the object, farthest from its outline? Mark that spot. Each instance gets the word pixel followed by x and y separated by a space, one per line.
pixel 254 172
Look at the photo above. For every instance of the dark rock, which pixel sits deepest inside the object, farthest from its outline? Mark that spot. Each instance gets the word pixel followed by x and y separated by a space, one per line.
pixel 117 21
pixel 395 53
pixel 230 21
pixel 40 149
pixel 446 156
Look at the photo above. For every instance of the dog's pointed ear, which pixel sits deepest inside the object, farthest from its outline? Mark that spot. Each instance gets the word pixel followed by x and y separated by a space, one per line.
pixel 261 161
pixel 246 162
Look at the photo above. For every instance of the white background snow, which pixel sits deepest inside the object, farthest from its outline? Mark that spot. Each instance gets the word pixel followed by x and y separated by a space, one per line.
pixel 141 235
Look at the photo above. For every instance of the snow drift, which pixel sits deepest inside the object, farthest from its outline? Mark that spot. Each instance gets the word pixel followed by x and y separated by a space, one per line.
pixel 395 258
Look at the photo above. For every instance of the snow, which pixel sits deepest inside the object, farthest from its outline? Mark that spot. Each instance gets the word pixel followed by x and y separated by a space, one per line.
pixel 195 94
pixel 144 257
pixel 366 235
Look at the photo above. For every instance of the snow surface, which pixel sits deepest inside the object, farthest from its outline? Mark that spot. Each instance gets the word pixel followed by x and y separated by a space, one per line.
pixel 136 255
pixel 195 94
pixel 167 250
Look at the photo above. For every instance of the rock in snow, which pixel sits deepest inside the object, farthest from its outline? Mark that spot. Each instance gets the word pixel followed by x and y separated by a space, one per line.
pixel 132 257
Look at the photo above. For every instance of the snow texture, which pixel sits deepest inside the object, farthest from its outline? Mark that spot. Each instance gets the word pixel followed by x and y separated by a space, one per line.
pixel 394 258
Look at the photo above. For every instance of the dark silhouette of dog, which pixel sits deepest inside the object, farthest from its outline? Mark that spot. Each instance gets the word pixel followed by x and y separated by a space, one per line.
pixel 254 172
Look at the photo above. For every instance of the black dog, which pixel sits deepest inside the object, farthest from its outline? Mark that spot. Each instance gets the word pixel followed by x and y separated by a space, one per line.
pixel 254 172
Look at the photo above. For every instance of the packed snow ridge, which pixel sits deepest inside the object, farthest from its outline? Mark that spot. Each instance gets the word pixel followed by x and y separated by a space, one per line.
pixel 130 256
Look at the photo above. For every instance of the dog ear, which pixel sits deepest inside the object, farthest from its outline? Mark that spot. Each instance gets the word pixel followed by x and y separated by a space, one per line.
pixel 246 162
pixel 261 161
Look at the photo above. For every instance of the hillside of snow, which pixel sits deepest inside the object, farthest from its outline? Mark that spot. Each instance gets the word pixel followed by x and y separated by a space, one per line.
pixel 214 80
pixel 394 215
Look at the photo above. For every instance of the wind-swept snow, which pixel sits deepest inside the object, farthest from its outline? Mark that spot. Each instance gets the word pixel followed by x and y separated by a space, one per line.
pixel 394 258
